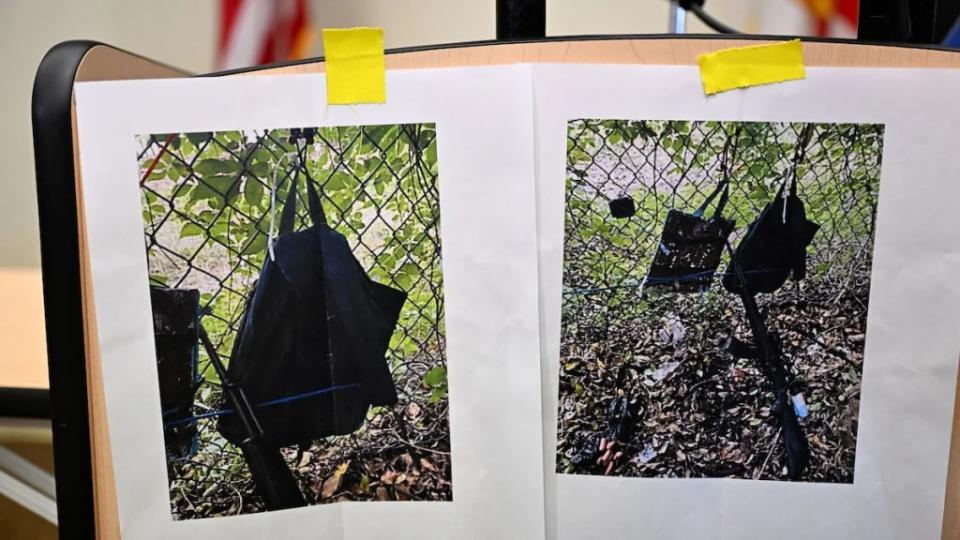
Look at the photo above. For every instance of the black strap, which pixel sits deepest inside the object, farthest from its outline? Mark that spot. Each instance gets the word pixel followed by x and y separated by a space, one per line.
pixel 723 187
pixel 289 206
pixel 798 155
pixel 313 198
pixel 718 211
pixel 314 206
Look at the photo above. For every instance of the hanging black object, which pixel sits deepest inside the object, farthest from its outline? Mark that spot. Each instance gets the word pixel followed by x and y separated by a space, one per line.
pixel 775 245
pixel 690 246
pixel 312 344
pixel 623 207
pixel 176 323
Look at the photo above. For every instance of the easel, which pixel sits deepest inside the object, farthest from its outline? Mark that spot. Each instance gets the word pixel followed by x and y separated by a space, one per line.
pixel 85 481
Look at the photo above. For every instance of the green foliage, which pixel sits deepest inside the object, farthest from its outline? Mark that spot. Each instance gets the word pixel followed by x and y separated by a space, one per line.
pixel 436 379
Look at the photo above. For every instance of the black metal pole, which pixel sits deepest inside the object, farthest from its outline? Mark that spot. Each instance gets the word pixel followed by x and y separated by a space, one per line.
pixel 521 19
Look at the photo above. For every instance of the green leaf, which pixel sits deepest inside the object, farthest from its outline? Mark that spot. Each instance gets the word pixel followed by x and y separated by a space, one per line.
pixel 437 394
pixel 258 244
pixel 202 192
pixel 365 483
pixel 190 229
pixel 436 376
pixel 253 191
pixel 211 167
pixel 403 281
pixel 228 187
pixel 260 168
pixel 430 155
pixel 387 261
pixel 157 174
pixel 338 181
pixel 759 193
pixel 199 138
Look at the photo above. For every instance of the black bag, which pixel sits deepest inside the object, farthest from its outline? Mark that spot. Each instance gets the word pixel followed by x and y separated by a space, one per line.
pixel 622 207
pixel 690 246
pixel 176 325
pixel 310 353
pixel 775 245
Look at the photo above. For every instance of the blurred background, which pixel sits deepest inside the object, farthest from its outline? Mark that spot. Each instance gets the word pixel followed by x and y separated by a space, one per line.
pixel 207 35
pixel 187 34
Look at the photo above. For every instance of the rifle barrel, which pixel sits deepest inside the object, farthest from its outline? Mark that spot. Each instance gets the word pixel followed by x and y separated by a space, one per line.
pixel 794 440
pixel 271 475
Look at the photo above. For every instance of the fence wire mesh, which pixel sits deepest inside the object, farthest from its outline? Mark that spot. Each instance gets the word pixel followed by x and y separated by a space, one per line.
pixel 210 203
pixel 610 320
pixel 664 165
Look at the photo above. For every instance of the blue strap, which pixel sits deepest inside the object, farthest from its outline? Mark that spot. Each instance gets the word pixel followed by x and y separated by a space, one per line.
pixel 272 402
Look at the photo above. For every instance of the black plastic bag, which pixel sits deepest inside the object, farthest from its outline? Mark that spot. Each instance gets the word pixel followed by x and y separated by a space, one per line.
pixel 310 354
pixel 690 247
pixel 775 245
pixel 622 207
pixel 176 325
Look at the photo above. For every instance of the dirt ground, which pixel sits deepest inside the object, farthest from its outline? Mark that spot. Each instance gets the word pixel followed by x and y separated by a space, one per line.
pixel 696 411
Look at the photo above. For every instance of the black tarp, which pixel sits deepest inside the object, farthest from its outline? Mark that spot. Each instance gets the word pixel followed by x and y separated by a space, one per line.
pixel 310 353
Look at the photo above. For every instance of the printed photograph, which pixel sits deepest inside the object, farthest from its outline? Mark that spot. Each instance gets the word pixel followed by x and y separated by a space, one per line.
pixel 716 280
pixel 297 299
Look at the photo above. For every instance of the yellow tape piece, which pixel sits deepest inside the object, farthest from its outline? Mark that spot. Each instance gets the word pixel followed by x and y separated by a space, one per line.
pixel 751 66
pixel 355 68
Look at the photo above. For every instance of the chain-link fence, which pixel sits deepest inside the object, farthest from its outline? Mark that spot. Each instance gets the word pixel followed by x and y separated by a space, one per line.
pixel 664 165
pixel 621 337
pixel 211 201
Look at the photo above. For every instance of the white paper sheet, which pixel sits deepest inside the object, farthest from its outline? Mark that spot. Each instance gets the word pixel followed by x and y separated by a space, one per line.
pixel 489 262
pixel 912 347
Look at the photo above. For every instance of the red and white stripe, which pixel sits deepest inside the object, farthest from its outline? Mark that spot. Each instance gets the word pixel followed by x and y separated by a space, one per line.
pixel 254 32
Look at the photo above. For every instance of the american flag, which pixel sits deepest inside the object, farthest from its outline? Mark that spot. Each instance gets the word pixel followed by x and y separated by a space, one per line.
pixel 834 18
pixel 254 32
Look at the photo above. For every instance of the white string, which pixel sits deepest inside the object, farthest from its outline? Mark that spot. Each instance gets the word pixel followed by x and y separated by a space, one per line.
pixel 786 194
pixel 272 235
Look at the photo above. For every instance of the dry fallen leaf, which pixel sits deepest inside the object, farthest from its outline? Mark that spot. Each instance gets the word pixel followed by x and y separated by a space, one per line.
pixel 388 477
pixel 413 409
pixel 305 460
pixel 332 484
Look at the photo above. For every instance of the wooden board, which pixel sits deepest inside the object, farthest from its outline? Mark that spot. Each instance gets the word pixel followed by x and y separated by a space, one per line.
pixel 106 63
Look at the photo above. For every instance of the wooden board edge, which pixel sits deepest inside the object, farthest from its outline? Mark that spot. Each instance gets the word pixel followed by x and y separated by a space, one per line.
pixel 950 529
pixel 102 63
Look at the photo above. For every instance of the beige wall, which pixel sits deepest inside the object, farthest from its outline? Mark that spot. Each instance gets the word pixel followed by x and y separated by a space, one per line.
pixel 183 33
pixel 180 32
